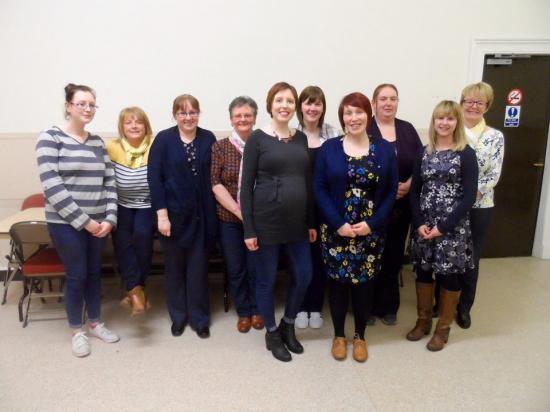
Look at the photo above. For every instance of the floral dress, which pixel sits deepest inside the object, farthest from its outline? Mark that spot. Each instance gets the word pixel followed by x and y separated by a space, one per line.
pixel 442 189
pixel 355 260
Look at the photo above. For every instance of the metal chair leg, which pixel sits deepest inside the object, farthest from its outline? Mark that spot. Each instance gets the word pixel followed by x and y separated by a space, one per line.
pixel 26 321
pixel 22 299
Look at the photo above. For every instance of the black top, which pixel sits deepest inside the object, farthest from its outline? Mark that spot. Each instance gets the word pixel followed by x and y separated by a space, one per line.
pixel 276 195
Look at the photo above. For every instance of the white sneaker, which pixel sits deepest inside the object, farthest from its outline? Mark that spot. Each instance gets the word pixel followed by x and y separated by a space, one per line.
pixel 315 320
pixel 101 332
pixel 81 346
pixel 301 321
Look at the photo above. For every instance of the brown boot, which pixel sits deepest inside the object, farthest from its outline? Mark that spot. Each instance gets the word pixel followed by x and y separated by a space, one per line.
pixel 447 309
pixel 137 300
pixel 424 299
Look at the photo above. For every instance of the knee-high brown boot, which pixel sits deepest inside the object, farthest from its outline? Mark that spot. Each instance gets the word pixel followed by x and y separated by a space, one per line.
pixel 447 309
pixel 424 299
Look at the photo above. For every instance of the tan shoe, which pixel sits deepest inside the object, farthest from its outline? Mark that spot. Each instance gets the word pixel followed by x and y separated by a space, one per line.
pixel 137 300
pixel 243 324
pixel 339 348
pixel 257 322
pixel 360 353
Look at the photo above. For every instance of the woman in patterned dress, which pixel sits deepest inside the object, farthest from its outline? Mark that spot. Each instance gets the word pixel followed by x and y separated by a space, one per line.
pixel 443 191
pixel 355 188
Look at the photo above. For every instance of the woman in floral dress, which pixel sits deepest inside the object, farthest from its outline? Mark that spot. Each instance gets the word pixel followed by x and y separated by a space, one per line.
pixel 355 188
pixel 443 191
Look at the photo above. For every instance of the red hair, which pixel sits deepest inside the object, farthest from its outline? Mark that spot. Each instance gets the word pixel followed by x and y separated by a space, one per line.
pixel 355 100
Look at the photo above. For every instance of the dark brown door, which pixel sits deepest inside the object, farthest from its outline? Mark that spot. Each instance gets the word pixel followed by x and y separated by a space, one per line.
pixel 522 101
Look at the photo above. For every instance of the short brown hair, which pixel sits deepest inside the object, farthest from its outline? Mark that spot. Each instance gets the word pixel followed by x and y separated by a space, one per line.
pixel 140 114
pixel 276 88
pixel 179 103
pixel 380 87
pixel 355 100
pixel 71 89
pixel 311 94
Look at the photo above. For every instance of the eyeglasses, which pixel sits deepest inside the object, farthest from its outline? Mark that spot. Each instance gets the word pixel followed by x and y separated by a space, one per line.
pixel 471 103
pixel 85 105
pixel 183 115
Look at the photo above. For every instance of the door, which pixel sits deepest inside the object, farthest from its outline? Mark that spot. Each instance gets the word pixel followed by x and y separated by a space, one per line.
pixel 521 110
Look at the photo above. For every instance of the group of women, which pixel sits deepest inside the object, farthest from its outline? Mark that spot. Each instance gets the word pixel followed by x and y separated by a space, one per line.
pixel 337 206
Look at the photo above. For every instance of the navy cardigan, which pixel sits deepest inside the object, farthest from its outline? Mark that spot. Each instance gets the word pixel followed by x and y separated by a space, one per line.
pixel 331 180
pixel 188 198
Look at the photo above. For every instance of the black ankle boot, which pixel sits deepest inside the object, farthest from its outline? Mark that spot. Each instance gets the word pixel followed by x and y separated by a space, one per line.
pixel 289 337
pixel 274 343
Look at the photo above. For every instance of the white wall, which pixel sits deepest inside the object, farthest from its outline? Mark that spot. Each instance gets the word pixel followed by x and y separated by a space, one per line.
pixel 136 52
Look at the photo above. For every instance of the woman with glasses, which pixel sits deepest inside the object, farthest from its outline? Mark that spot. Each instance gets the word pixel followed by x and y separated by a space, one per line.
pixel 226 176
pixel 443 191
pixel 355 187
pixel 405 140
pixel 81 209
pixel 312 107
pixel 133 238
pixel 276 206
pixel 488 143
pixel 181 197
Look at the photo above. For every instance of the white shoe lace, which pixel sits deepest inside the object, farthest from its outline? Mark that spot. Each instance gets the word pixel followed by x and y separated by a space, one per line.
pixel 103 333
pixel 80 343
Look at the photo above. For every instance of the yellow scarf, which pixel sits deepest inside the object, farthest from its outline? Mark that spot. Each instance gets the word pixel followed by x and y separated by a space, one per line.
pixel 479 128
pixel 135 155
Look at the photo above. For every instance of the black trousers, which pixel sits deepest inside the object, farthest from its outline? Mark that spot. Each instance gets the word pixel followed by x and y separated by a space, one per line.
pixel 361 302
pixel 386 283
pixel 479 223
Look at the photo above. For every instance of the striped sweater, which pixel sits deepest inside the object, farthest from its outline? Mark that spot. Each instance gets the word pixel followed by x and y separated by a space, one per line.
pixel 77 178
pixel 131 183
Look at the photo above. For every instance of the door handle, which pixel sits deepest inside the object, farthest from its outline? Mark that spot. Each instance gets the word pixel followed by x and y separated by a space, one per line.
pixel 538 164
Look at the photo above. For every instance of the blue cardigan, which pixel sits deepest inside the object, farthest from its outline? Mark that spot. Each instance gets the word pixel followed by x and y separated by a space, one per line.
pixel 331 180
pixel 188 198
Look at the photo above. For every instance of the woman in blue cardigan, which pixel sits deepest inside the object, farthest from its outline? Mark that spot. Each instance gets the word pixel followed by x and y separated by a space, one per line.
pixel 355 187
pixel 181 195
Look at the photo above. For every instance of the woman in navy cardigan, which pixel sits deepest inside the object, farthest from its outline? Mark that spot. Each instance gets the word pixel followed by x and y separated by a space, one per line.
pixel 355 187
pixel 179 180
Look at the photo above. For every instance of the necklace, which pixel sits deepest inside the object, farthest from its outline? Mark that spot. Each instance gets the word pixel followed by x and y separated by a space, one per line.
pixel 283 139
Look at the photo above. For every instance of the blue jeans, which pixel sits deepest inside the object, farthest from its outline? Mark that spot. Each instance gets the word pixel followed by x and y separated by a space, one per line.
pixel 315 295
pixel 240 269
pixel 299 267
pixel 81 254
pixel 133 241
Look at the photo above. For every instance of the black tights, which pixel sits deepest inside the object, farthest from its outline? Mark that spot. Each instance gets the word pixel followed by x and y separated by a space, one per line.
pixel 361 302
pixel 449 281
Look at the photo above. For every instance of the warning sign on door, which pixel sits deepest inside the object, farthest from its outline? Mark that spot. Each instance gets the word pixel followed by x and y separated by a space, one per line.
pixel 511 116
pixel 514 97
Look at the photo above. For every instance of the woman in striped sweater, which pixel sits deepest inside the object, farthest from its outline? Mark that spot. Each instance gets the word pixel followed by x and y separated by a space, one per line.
pixel 133 238
pixel 81 209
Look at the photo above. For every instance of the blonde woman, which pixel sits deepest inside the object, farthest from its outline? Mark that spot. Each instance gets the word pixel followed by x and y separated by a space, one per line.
pixel 133 238
pixel 443 190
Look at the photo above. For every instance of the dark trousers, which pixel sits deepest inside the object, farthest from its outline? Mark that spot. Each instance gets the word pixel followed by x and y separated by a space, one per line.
pixel 186 271
pixel 133 242
pixel 450 281
pixel 81 254
pixel 361 302
pixel 386 283
pixel 315 294
pixel 479 223
pixel 266 260
pixel 240 269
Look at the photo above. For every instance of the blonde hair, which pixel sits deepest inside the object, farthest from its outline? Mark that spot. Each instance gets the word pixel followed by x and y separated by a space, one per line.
pixel 140 114
pixel 453 109
pixel 479 89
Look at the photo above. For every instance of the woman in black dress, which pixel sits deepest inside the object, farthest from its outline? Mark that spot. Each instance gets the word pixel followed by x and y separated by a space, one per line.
pixel 443 191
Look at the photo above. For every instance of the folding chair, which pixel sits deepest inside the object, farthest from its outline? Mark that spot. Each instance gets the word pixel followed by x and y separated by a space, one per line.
pixel 34 200
pixel 38 261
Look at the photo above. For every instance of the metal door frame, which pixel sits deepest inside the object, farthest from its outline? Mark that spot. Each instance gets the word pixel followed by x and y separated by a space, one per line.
pixel 478 49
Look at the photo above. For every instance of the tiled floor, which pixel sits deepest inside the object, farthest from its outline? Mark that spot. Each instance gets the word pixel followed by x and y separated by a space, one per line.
pixel 501 364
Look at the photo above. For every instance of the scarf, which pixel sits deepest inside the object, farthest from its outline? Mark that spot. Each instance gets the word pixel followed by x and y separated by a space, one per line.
pixel 135 156
pixel 239 143
pixel 475 132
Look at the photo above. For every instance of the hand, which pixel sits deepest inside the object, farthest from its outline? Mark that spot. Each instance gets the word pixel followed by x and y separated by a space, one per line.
pixel 361 229
pixel 312 235
pixel 403 188
pixel 423 231
pixel 434 232
pixel 93 227
pixel 478 195
pixel 346 231
pixel 251 243
pixel 164 226
pixel 105 229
